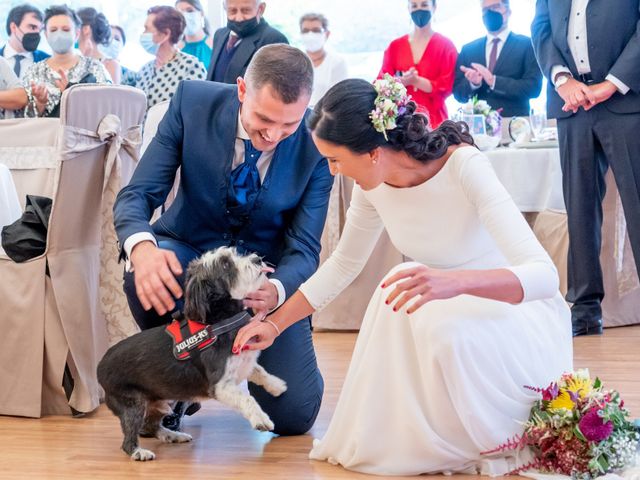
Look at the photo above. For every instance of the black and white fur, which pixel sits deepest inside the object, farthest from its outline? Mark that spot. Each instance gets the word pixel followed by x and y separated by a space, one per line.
pixel 140 375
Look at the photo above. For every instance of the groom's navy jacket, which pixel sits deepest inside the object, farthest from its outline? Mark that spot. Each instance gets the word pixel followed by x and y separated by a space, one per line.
pixel 198 135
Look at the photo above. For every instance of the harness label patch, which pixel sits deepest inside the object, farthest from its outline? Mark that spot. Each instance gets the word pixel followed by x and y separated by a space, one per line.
pixel 188 336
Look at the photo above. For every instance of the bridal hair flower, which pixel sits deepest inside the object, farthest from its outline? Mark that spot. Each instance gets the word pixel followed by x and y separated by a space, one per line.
pixel 390 103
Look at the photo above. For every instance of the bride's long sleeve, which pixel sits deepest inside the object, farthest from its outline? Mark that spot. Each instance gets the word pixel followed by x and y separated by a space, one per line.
pixel 359 237
pixel 498 213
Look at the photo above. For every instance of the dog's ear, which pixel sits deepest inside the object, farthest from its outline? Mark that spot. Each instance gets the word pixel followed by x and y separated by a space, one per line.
pixel 202 292
pixel 196 305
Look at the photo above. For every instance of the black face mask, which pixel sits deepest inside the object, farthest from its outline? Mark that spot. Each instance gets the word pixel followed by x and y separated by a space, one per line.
pixel 492 20
pixel 30 41
pixel 243 28
pixel 421 17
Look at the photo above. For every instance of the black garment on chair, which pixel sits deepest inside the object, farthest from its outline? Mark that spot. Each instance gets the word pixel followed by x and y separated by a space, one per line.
pixel 26 238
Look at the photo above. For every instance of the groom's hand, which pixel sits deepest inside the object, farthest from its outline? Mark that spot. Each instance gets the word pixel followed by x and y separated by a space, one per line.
pixel 423 282
pixel 262 301
pixel 154 273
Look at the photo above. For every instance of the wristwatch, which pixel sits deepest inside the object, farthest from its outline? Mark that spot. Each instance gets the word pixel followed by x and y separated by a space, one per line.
pixel 561 79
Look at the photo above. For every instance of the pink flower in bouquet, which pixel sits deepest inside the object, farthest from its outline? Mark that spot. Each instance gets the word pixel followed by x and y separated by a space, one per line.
pixel 550 393
pixel 593 428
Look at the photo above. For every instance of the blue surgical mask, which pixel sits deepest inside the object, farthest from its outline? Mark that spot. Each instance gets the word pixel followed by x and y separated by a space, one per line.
pixel 194 22
pixel 146 40
pixel 61 41
pixel 112 50
pixel 421 17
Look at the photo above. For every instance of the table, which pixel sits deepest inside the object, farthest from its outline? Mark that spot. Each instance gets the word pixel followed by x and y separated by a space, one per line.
pixel 532 177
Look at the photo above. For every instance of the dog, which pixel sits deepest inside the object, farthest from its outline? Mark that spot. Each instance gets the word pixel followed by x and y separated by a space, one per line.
pixel 142 374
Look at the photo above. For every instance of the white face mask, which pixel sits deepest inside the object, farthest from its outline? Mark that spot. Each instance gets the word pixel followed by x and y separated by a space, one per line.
pixel 146 40
pixel 313 42
pixel 194 22
pixel 111 51
pixel 61 41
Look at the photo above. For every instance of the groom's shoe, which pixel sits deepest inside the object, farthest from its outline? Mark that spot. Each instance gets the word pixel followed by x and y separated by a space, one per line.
pixel 586 327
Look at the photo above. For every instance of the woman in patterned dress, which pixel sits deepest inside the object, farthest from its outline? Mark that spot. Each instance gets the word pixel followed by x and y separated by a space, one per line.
pixel 64 68
pixel 160 77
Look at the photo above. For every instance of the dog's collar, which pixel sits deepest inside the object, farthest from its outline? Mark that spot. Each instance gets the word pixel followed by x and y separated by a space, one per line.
pixel 191 337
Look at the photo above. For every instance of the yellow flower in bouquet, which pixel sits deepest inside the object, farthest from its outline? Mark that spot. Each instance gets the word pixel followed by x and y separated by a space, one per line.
pixel 562 401
pixel 579 386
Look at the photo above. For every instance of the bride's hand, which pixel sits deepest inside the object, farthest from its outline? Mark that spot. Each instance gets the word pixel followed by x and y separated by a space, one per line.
pixel 423 282
pixel 258 335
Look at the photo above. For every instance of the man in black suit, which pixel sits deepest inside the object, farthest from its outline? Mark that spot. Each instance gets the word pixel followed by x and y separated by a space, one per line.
pixel 590 53
pixel 500 68
pixel 235 44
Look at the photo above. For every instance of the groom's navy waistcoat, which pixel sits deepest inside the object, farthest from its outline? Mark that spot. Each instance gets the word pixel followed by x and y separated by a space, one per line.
pixel 198 136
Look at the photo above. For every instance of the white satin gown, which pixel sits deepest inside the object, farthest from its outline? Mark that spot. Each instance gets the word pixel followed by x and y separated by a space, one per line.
pixel 427 392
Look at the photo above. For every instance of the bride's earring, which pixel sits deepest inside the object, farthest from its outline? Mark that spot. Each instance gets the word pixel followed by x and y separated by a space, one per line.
pixel 374 162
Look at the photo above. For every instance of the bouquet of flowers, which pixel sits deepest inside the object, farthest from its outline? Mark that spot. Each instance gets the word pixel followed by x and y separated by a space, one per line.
pixel 578 429
pixel 492 118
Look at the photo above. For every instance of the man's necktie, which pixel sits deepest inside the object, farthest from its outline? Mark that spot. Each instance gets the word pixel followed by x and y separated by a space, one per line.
pixel 17 67
pixel 233 39
pixel 493 56
pixel 245 179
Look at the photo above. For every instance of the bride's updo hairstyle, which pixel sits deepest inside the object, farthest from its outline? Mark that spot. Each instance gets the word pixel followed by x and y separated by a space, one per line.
pixel 344 117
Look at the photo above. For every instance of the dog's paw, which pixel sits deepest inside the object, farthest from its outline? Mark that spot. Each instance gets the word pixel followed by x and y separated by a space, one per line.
pixel 167 436
pixel 261 421
pixel 276 386
pixel 142 455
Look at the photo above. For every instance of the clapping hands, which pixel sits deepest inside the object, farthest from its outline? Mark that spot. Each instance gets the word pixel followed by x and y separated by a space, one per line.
pixel 478 73
pixel 410 77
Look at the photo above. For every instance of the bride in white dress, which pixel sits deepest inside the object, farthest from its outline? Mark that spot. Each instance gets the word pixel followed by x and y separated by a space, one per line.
pixel 448 341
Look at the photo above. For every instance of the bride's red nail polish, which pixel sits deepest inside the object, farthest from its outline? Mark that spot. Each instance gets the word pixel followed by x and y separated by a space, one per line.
pixel 383 286
pixel 245 348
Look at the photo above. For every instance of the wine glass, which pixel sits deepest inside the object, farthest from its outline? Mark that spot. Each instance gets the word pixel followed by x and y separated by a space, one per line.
pixel 538 120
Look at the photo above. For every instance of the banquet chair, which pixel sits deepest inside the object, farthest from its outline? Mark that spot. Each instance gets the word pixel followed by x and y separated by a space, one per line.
pixel 154 117
pixel 54 328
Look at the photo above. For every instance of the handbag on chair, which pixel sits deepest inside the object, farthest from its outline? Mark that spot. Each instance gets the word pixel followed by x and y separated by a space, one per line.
pixel 26 238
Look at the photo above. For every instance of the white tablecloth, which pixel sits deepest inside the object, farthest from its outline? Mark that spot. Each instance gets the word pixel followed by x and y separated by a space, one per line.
pixel 532 176
pixel 10 209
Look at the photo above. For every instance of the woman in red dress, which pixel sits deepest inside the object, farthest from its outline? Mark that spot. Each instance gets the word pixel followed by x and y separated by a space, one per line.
pixel 425 61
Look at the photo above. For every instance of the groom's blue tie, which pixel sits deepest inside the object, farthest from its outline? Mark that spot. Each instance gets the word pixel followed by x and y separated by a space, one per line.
pixel 245 179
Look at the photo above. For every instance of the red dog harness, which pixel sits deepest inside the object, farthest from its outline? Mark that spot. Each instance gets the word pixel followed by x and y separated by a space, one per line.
pixel 191 337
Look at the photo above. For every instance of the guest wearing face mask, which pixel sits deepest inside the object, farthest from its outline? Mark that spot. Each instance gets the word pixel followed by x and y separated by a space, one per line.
pixel 234 45
pixel 328 67
pixel 197 34
pixel 24 24
pixel 160 77
pixel 65 67
pixel 424 61
pixel 113 51
pixel 95 37
pixel 500 68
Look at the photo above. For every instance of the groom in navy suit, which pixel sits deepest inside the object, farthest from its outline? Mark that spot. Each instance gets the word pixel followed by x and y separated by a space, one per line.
pixel 252 178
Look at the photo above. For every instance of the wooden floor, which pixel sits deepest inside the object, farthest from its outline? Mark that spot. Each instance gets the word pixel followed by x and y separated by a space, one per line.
pixel 224 445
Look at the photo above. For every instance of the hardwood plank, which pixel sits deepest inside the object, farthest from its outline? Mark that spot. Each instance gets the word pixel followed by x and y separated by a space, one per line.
pixel 225 446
